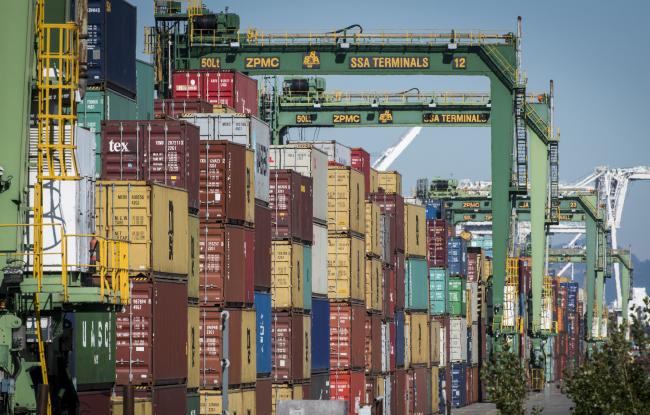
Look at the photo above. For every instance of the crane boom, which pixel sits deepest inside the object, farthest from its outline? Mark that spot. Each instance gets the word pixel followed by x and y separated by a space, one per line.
pixel 387 158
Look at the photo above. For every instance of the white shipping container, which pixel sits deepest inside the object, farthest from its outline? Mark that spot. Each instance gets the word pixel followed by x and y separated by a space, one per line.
pixel 70 205
pixel 443 349
pixel 385 347
pixel 458 339
pixel 510 306
pixel 475 344
pixel 335 151
pixel 242 129
pixel 472 287
pixel 319 260
pixel 384 238
pixel 308 161
pixel 388 394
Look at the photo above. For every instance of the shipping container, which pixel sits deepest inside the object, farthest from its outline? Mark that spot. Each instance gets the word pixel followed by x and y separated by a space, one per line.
pixel 416 280
pixel 400 393
pixel 456 296
pixel 390 293
pixel 370 392
pixel 390 181
pixel 319 250
pixel 94 402
pixel 179 107
pixel 418 390
pixel 337 153
pixel 263 395
pixel 386 246
pixel 387 346
pixel 347 325
pixel 153 218
pixel 227 264
pixel 92 358
pixel 158 400
pixel 263 333
pixel 345 268
pixel 151 338
pixel 67 205
pixel 110 44
pixel 435 389
pixel 193 346
pixel 307 278
pixel 239 402
pixel 308 161
pixel 374 182
pixel 400 340
pixel 445 335
pixel 435 209
pixel 145 84
pixel 400 277
pixel 290 201
pixel 193 402
pixel 194 262
pixel 226 182
pixel 458 339
pixel 458 385
pixel 373 222
pixel 435 328
pixel 474 261
pixel 374 285
pixel 231 88
pixel 392 205
pixel 472 304
pixel 320 335
pixel 320 386
pixel 284 392
pixel 457 256
pixel 373 348
pixel 348 386
pixel 291 339
pixel 287 278
pixel 345 200
pixel 437 243
pixel 437 291
pixel 416 339
pixel 262 247
pixel 241 346
pixel 415 231
pixel 360 160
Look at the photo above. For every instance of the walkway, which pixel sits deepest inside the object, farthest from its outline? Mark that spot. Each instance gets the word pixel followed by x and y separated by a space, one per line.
pixel 553 402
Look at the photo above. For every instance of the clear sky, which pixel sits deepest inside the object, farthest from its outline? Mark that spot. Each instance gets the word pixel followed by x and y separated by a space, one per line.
pixel 597 52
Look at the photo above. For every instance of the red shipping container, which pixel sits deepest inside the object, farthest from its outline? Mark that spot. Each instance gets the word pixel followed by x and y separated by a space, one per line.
pixel 392 204
pixel 262 247
pixel 437 243
pixel 227 265
pixel 373 343
pixel 288 346
pixel 472 265
pixel 162 151
pixel 224 186
pixel 94 402
pixel 401 392
pixel 211 344
pixel 263 394
pixel 417 391
pixel 390 294
pixel 525 274
pixel 165 400
pixel 392 338
pixel 400 275
pixel 151 338
pixel 230 88
pixel 360 160
pixel 175 107
pixel 347 325
pixel 350 386
pixel 291 204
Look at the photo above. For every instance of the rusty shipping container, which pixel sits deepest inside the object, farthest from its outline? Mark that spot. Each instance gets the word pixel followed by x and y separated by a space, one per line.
pixel 392 205
pixel 345 268
pixel 262 247
pixel 287 275
pixel 194 262
pixel 291 204
pixel 373 223
pixel 159 400
pixel 223 87
pixel 241 346
pixel 227 182
pixel 152 217
pixel 350 386
pixel 94 402
pixel 175 107
pixel 227 265
pixel 347 325
pixel 418 390
pixel 374 285
pixel 291 347
pixel 263 394
pixel 400 392
pixel 415 231
pixel 437 230
pixel 160 151
pixel 373 347
pixel 390 181
pixel 151 338
pixel 345 200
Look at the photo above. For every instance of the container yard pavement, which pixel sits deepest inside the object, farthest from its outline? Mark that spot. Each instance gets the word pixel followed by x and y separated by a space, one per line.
pixel 553 402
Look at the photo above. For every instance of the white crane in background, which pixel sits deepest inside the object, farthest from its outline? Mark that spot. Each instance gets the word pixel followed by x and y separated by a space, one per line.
pixel 387 158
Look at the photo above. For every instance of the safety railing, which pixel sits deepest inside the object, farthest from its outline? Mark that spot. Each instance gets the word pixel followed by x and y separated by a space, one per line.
pixel 547 305
pixel 510 294
pixel 538 124
pixel 442 98
pixel 536 379
pixel 502 64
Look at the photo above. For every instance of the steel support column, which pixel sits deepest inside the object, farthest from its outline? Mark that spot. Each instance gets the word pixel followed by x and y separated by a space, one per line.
pixel 538 173
pixel 591 233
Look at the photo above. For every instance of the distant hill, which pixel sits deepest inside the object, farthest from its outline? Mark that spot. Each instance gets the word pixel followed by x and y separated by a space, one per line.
pixel 641 278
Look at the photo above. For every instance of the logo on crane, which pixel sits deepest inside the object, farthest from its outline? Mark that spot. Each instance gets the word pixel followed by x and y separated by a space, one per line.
pixel 386 117
pixel 311 60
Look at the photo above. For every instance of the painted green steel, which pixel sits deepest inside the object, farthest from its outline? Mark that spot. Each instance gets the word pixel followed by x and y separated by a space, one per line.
pixel 193 403
pixel 625 288
pixel 591 246
pixel 145 81
pixel 93 353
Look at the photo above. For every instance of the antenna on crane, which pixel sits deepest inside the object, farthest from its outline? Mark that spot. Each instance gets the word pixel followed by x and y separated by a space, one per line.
pixel 390 155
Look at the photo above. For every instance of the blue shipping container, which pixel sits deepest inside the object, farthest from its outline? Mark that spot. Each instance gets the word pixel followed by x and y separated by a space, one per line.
pixel 458 385
pixel 307 271
pixel 437 290
pixel 416 281
pixel 434 209
pixel 457 256
pixel 320 335
pixel 442 396
pixel 111 45
pixel 399 339
pixel 263 332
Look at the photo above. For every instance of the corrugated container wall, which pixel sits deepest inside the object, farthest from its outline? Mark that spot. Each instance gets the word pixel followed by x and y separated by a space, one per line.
pixel 435 328
pixel 291 338
pixel 320 335
pixel 308 161
pixel 347 325
pixel 177 107
pixel 374 285
pixel 373 223
pixel 360 160
pixel 153 217
pixel 336 152
pixel 437 242
pixel 193 346
pixel 263 333
pixel 416 338
pixel 319 251
pixel 416 280
pixel 290 201
pixel 160 151
pixel 345 268
pixel 415 231
pixel 287 275
pixel 307 278
pixel 111 45
pixel 348 386
pixel 345 200
pixel 262 247
pixel 392 205
pixel 193 257
pixel 390 181
pixel 437 291
pixel 145 81
pixel 458 339
pixel 159 400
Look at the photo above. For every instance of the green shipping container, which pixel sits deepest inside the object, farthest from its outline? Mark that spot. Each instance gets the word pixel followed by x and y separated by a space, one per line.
pixel 103 105
pixel 92 361
pixel 416 284
pixel 307 271
pixel 193 403
pixel 144 73
pixel 456 302
pixel 437 291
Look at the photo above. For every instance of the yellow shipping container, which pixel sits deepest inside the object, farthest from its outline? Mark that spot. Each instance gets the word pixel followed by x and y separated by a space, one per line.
pixel 390 181
pixel 250 186
pixel 345 200
pixel 287 275
pixel 345 268
pixel 374 284
pixel 193 257
pixel 435 402
pixel 487 269
pixel 434 342
pixel 373 214
pixel 416 336
pixel 306 335
pixel 152 217
pixel 248 402
pixel 192 347
pixel 374 181
pixel 248 342
pixel 210 402
pixel 283 392
pixel 142 406
pixel 415 230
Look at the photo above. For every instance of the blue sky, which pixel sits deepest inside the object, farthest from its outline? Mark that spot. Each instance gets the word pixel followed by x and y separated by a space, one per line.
pixel 596 52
